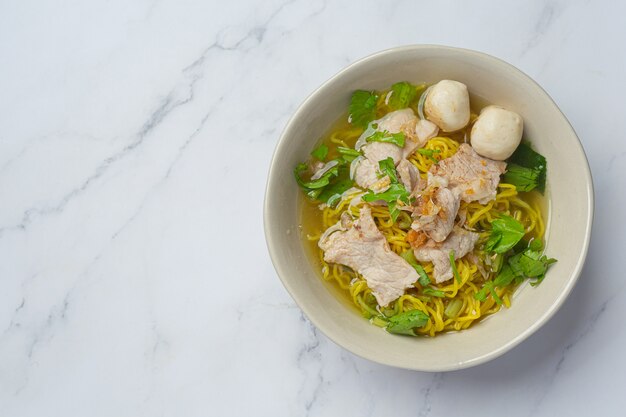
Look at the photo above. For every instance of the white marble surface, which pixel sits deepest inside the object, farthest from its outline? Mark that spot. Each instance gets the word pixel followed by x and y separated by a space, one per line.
pixel 135 139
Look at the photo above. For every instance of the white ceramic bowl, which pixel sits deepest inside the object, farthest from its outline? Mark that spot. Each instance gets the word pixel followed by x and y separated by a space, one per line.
pixel 569 191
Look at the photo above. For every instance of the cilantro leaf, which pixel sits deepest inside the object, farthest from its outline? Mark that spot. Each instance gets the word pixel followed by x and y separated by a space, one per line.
pixel 386 137
pixel 362 107
pixel 409 256
pixel 505 233
pixel 404 323
pixel 320 152
pixel 524 179
pixel 525 157
pixel 402 94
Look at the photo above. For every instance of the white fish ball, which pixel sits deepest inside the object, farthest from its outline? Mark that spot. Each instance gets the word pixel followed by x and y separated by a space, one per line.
pixel 447 105
pixel 496 133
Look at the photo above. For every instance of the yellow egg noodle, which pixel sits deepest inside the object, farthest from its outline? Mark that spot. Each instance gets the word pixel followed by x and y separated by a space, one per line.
pixel 462 293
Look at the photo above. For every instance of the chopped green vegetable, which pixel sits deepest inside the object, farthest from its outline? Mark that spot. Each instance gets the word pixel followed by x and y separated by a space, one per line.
pixel 320 152
pixel 404 323
pixel 453 265
pixel 333 192
pixel 386 137
pixel 348 154
pixel 482 294
pixel 505 233
pixel 378 321
pixel 536 245
pixel 488 287
pixel 505 277
pixel 329 187
pixel 527 264
pixel 525 157
pixel 396 192
pixel 497 262
pixel 524 179
pixel 371 311
pixel 362 107
pixel 409 256
pixel 388 168
pixel 404 220
pixel 402 94
pixel 453 308
pixel 530 264
pixel 433 292
pixel 428 153
pixel 318 183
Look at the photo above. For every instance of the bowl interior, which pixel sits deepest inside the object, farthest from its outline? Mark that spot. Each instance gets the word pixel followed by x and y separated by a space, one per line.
pixel 569 190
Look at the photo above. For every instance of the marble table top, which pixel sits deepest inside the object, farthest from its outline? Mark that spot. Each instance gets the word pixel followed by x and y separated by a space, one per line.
pixel 135 139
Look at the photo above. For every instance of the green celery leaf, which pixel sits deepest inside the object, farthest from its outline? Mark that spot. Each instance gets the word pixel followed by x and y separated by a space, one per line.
pixel 429 153
pixel 394 211
pixel 405 220
pixel 362 107
pixel 409 256
pixel 389 168
pixel 348 154
pixel 404 323
pixel 481 295
pixel 320 152
pixel 536 245
pixel 453 309
pixel 524 179
pixel 402 95
pixel 524 156
pixel 331 194
pixel 394 193
pixel 489 287
pixel 505 277
pixel 505 233
pixel 453 265
pixel 433 292
pixel 530 263
pixel 386 137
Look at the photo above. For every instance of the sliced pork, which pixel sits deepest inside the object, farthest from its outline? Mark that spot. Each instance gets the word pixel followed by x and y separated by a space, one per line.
pixel 396 121
pixel 378 151
pixel 367 175
pixel 424 131
pixel 409 175
pixel 363 248
pixel 435 212
pixel 475 178
pixel 460 241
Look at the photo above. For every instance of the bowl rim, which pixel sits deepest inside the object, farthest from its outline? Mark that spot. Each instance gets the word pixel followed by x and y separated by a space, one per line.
pixel 272 236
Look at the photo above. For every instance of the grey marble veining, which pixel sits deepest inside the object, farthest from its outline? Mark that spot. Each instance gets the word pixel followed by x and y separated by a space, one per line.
pixel 135 139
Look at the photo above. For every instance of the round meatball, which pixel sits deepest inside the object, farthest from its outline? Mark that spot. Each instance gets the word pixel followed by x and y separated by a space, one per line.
pixel 496 133
pixel 447 105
